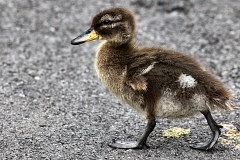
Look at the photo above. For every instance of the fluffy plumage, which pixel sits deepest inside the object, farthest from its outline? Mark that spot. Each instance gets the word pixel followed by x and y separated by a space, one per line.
pixel 156 81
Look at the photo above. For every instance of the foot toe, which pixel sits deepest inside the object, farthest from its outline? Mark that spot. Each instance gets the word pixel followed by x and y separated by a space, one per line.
pixel 202 146
pixel 125 145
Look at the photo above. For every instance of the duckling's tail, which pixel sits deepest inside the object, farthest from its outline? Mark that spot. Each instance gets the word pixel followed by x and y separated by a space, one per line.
pixel 220 98
pixel 223 104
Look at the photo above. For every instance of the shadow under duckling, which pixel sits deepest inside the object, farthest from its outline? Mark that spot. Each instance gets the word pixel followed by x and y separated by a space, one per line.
pixel 157 82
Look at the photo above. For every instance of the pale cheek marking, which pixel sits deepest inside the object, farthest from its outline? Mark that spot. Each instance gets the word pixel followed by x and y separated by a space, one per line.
pixel 186 81
pixel 111 18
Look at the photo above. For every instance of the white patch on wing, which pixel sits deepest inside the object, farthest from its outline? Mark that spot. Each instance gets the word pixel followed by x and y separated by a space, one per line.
pixel 148 69
pixel 124 72
pixel 186 81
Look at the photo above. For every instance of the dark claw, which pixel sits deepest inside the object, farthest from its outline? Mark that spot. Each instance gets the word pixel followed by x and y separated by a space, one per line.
pixel 219 126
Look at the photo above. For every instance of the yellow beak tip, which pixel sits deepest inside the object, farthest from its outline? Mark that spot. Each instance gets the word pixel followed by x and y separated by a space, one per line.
pixel 89 35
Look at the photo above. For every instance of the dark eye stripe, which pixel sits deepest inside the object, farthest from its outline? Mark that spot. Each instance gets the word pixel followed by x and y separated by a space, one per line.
pixel 107 22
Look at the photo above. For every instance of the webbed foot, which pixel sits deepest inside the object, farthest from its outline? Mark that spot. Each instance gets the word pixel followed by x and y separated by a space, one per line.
pixel 215 130
pixel 127 145
pixel 136 144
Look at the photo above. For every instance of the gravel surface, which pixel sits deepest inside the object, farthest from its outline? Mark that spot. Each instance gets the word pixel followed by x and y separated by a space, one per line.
pixel 52 106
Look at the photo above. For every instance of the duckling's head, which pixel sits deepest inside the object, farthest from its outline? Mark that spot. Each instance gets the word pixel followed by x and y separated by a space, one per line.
pixel 116 25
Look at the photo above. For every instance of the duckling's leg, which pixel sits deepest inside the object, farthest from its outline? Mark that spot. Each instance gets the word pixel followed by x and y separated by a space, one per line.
pixel 136 144
pixel 215 130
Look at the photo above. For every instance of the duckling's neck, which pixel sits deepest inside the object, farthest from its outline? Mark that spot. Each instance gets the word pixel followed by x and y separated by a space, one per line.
pixel 120 44
pixel 111 62
pixel 113 54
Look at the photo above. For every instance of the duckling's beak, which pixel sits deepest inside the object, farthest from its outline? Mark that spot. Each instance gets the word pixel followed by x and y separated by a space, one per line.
pixel 89 35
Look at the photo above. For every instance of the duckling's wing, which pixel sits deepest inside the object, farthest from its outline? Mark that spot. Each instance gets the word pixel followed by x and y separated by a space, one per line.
pixel 165 68
pixel 139 68
pixel 161 66
pixel 135 75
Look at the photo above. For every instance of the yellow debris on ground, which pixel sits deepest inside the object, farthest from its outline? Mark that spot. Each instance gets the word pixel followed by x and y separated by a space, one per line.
pixel 233 135
pixel 225 141
pixel 238 146
pixel 175 132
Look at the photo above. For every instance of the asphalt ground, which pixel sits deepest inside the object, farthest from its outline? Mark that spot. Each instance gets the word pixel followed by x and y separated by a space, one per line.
pixel 52 105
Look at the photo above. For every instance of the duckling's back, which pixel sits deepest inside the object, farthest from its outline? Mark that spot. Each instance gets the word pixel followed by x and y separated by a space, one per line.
pixel 180 85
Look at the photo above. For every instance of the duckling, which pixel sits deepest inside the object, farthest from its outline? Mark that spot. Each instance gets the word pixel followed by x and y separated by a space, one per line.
pixel 157 82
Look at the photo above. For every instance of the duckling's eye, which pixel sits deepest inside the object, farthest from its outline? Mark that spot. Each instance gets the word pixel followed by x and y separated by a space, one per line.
pixel 107 22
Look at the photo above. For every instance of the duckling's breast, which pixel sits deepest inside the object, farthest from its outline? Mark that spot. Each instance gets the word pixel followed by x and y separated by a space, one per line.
pixel 110 66
pixel 114 80
pixel 107 70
